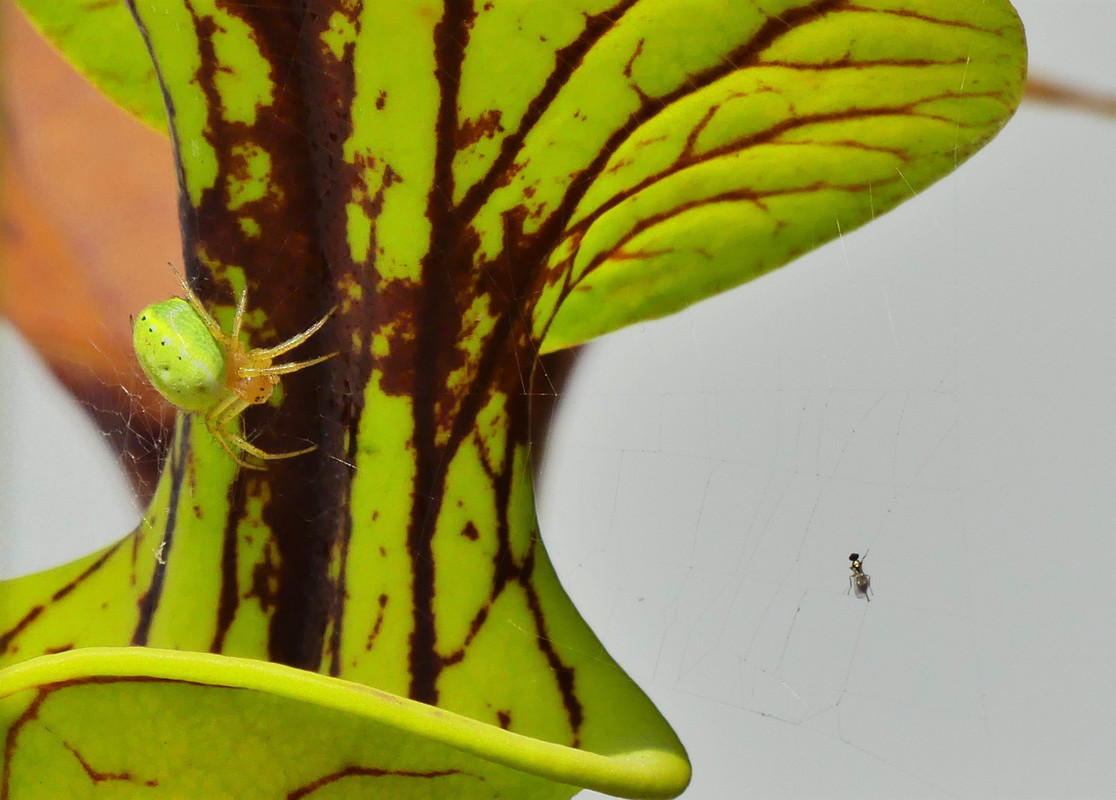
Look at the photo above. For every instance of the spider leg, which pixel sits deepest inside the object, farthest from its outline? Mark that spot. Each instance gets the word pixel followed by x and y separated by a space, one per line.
pixel 238 319
pixel 224 411
pixel 294 341
pixel 196 303
pixel 217 421
pixel 281 369
pixel 228 446
pixel 251 449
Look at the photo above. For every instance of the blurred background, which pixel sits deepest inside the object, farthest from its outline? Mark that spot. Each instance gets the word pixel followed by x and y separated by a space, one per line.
pixel 937 389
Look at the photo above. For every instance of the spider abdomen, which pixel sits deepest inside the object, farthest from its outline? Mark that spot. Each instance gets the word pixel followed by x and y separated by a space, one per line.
pixel 179 355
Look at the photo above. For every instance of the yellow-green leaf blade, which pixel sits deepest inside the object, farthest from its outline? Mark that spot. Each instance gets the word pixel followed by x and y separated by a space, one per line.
pixel 826 117
pixel 160 724
pixel 100 39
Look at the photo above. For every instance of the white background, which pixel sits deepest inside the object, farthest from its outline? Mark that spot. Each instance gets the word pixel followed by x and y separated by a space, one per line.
pixel 939 388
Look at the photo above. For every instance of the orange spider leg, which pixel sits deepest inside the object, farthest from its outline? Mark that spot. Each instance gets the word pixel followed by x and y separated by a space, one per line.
pixel 280 369
pixel 196 303
pixel 218 418
pixel 294 341
pixel 238 319
pixel 226 413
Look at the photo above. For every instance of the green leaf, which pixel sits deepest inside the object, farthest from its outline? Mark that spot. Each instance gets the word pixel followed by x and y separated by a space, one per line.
pixel 164 724
pixel 100 39
pixel 721 145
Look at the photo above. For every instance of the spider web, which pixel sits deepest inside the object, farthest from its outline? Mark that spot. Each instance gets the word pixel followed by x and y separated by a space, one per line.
pixel 936 390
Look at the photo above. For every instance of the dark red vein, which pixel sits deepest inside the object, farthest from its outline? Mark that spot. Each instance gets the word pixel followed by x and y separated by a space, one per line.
pixel 566 61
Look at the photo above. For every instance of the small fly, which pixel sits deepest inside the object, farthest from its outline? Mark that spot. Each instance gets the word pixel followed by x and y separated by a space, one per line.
pixel 858 580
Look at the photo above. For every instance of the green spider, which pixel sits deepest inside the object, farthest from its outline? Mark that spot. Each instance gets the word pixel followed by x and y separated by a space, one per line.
pixel 203 371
